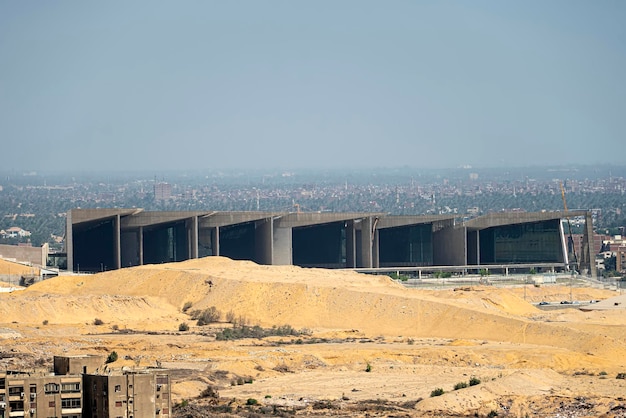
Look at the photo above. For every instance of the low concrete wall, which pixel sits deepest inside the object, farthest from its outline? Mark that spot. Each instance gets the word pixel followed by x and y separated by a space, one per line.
pixel 33 255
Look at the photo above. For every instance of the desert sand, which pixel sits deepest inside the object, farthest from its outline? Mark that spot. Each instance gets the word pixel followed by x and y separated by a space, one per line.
pixel 371 346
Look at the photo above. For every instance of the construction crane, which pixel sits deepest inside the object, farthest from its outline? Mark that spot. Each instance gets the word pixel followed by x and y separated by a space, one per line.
pixel 569 227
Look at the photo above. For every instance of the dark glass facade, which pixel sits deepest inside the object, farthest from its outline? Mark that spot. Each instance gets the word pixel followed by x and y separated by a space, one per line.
pixel 534 242
pixel 410 245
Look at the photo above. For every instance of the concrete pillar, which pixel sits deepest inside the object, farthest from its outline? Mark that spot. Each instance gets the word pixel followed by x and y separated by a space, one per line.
pixel 588 253
pixel 564 245
pixel 282 246
pixel 215 238
pixel 263 241
pixel 69 242
pixel 375 250
pixel 366 243
pixel 193 239
pixel 350 245
pixel 117 242
pixel 140 240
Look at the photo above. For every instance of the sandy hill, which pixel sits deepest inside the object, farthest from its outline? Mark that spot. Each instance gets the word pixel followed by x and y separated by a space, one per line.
pixel 12 268
pixel 154 295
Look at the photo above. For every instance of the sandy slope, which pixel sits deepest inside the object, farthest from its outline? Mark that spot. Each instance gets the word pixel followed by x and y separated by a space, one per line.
pixel 12 268
pixel 428 338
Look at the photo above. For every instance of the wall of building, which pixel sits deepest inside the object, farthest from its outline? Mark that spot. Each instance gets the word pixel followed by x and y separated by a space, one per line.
pixel 34 255
pixel 449 247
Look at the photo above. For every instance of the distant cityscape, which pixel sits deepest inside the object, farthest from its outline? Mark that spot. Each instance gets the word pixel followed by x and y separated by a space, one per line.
pixel 33 205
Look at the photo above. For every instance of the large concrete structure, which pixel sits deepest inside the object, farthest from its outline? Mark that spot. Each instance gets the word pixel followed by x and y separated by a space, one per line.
pixel 105 239
pixel 81 387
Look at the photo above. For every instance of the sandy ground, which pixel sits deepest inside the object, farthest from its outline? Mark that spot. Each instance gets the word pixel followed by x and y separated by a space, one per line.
pixel 368 339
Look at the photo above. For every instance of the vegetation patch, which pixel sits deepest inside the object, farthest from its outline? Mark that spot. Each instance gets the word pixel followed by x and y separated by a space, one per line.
pixel 207 316
pixel 437 392
pixel 244 331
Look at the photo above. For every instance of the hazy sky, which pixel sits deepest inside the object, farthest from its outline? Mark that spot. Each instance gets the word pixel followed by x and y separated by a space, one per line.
pixel 154 85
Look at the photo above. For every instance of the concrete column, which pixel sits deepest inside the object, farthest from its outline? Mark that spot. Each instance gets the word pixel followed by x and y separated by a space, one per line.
pixel 366 243
pixel 588 253
pixel 117 242
pixel 69 241
pixel 375 250
pixel 350 245
pixel 264 240
pixel 564 245
pixel 193 240
pixel 215 238
pixel 140 240
pixel 282 246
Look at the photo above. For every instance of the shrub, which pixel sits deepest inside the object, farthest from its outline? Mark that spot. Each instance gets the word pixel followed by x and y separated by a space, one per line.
pixel 210 392
pixel 621 376
pixel 115 327
pixel 183 326
pixel 460 385
pixel 207 316
pixel 252 401
pixel 398 276
pixel 45 322
pixel 474 381
pixel 230 317
pixel 437 392
pixel 602 373
pixel 98 321
pixel 187 306
pixel 368 368
pixel 492 414
pixel 112 357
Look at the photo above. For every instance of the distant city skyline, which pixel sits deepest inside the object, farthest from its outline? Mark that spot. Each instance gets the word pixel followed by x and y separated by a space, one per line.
pixel 159 86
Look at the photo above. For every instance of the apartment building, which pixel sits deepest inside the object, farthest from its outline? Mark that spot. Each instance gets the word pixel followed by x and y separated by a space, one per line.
pixel 144 394
pixel 81 387
pixel 40 395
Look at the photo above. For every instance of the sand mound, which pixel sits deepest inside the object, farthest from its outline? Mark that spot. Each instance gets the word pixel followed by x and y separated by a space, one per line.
pixel 303 298
pixel 11 268
pixel 486 397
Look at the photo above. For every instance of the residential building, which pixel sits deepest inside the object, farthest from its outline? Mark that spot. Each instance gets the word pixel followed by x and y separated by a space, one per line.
pixel 82 387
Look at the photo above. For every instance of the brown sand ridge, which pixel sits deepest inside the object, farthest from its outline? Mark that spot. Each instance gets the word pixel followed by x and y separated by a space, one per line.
pixel 415 339
pixel 12 268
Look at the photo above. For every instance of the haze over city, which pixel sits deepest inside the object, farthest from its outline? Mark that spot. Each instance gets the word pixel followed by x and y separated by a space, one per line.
pixel 198 85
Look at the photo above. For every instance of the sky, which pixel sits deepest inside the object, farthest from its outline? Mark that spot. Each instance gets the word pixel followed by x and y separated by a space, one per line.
pixel 203 85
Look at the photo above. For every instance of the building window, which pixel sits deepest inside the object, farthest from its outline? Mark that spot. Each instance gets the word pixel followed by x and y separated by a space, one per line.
pixel 51 388
pixel 118 404
pixel 70 387
pixel 162 380
pixel 118 388
pixel 52 404
pixel 16 406
pixel 2 383
pixel 16 390
pixel 70 403
pixel 166 411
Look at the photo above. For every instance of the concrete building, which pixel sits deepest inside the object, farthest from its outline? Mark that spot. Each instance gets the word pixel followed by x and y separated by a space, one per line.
pixel 41 394
pixel 105 239
pixel 144 394
pixel 162 191
pixel 80 387
pixel 37 256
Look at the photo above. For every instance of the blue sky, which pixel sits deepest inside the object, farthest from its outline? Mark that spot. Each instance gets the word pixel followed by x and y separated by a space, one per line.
pixel 154 85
